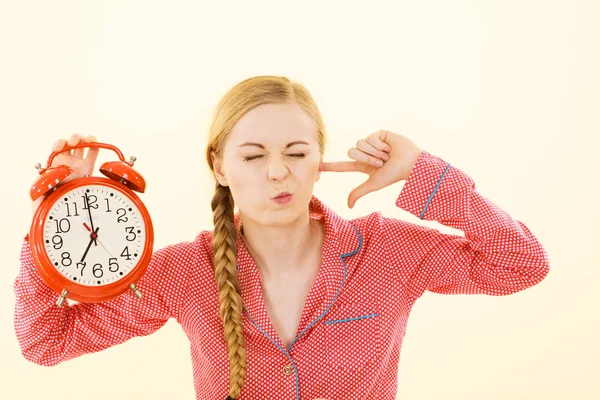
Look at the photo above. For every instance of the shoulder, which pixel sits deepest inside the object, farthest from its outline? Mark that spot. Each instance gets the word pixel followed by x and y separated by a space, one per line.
pixel 184 251
pixel 375 224
pixel 379 227
pixel 184 256
pixel 367 222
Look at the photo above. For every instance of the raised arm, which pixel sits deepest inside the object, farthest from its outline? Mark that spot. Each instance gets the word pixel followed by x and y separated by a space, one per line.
pixel 498 255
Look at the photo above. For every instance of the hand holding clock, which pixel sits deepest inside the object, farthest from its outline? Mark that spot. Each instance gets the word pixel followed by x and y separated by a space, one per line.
pixel 74 159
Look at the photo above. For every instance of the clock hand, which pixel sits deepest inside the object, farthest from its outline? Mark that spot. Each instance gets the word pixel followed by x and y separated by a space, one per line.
pixel 90 215
pixel 86 250
pixel 89 244
pixel 98 240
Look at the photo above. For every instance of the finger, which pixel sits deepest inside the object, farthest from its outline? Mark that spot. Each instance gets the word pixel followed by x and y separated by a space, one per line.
pixel 341 166
pixel 361 156
pixel 370 185
pixel 377 140
pixel 73 141
pixel 92 153
pixel 79 152
pixel 368 148
pixel 59 144
pixel 358 192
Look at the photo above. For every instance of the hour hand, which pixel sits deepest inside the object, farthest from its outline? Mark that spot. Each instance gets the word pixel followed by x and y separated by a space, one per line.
pixel 93 238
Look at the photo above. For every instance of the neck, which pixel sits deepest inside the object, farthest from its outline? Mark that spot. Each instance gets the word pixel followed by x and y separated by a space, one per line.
pixel 283 250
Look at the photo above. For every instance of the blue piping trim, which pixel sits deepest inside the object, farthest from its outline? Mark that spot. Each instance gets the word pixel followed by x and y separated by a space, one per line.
pixel 342 256
pixel 337 321
pixel 434 190
pixel 283 350
pixel 279 347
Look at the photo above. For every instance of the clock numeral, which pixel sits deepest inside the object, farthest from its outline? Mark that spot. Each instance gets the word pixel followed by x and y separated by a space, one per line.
pixel 107 205
pixel 125 253
pixel 69 211
pixel 129 230
pixel 67 257
pixel 111 262
pixel 61 224
pixel 96 268
pixel 91 202
pixel 122 218
pixel 59 244
pixel 82 265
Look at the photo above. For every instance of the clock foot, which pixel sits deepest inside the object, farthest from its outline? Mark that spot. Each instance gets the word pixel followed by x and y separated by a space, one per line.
pixel 136 291
pixel 62 297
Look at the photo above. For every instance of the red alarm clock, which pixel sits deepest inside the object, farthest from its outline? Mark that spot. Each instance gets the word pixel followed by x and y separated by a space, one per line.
pixel 91 238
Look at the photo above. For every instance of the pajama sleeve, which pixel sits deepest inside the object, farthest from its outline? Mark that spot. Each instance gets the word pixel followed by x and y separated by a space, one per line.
pixel 498 255
pixel 48 334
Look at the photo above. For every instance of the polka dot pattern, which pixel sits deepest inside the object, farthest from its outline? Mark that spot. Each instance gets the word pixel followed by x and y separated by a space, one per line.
pixel 354 320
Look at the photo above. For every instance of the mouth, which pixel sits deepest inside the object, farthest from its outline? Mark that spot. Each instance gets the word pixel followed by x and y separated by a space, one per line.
pixel 283 198
pixel 282 195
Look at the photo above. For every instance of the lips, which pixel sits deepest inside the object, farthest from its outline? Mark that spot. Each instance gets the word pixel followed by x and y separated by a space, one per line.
pixel 282 194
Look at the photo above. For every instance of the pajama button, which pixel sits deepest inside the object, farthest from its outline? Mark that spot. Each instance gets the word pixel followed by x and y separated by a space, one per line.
pixel 288 370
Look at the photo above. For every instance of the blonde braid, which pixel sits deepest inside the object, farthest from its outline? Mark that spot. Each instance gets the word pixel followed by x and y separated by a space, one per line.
pixel 225 259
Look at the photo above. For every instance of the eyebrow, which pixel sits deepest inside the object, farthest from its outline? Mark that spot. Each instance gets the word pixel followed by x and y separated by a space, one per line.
pixel 262 147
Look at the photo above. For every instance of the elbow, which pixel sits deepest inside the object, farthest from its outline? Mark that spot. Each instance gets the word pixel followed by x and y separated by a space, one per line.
pixel 542 268
pixel 42 361
pixel 536 273
pixel 44 356
pixel 535 268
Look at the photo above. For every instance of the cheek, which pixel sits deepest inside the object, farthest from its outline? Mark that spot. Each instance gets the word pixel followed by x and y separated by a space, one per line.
pixel 306 171
pixel 248 182
pixel 243 179
pixel 313 168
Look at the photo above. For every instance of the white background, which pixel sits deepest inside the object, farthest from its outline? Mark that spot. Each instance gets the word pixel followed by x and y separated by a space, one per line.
pixel 507 91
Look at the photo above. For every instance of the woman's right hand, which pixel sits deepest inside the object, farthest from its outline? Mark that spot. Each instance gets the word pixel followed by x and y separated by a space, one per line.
pixel 74 159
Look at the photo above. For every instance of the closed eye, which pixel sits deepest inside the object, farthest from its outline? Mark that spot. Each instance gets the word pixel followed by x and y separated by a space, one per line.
pixel 291 155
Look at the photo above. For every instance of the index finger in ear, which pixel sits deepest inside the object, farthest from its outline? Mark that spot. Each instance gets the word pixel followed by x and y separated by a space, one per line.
pixel 339 166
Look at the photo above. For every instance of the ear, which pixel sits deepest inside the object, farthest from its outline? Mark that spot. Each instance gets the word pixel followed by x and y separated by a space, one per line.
pixel 319 172
pixel 218 168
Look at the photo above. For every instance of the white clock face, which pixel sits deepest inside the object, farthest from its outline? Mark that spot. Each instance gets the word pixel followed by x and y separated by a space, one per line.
pixel 99 251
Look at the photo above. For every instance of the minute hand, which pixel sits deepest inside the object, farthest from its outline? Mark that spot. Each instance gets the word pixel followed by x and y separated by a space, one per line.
pixel 90 215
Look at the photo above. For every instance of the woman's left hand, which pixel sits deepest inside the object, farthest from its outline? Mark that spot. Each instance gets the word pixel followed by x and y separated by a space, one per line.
pixel 385 156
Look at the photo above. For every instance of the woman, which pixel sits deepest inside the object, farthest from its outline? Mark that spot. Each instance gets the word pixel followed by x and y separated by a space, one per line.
pixel 286 299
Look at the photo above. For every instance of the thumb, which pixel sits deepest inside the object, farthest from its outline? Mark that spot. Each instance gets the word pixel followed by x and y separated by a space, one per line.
pixel 360 191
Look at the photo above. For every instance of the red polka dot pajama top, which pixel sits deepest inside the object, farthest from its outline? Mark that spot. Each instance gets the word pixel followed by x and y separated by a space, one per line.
pixel 350 333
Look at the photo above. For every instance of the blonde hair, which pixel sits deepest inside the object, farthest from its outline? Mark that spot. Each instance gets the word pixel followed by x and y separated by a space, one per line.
pixel 239 100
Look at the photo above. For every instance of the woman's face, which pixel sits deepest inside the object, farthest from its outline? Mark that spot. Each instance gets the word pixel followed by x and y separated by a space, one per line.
pixel 288 161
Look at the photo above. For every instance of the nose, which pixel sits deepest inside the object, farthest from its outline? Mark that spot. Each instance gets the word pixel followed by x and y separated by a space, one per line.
pixel 277 169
